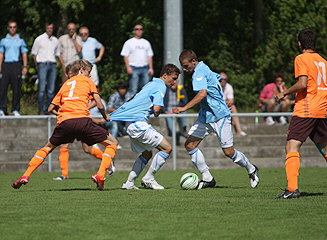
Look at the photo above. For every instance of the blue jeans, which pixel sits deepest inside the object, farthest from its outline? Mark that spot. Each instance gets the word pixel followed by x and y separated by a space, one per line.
pixel 181 121
pixel 140 74
pixel 47 78
pixel 115 127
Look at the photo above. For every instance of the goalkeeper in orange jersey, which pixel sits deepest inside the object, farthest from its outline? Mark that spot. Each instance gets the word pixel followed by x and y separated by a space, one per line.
pixel 71 105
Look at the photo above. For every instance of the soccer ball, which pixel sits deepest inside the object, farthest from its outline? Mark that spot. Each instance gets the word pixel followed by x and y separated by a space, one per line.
pixel 189 181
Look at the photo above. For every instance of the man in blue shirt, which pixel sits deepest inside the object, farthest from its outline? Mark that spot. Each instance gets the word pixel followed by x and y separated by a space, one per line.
pixel 214 116
pixel 143 137
pixel 10 66
pixel 89 47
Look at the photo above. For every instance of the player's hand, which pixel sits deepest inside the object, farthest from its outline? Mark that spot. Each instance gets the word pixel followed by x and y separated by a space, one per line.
pixel 129 70
pixel 108 117
pixel 177 110
pixel 280 96
pixel 229 105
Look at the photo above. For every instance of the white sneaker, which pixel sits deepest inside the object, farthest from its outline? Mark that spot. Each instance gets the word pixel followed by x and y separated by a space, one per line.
pixel 16 113
pixel 270 121
pixel 282 120
pixel 129 185
pixel 2 113
pixel 151 184
pixel 111 170
pixel 254 177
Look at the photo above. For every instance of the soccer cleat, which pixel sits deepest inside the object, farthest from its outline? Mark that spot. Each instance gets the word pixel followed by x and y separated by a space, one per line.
pixel 20 181
pixel 128 185
pixel 205 184
pixel 111 170
pixel 254 177
pixel 151 184
pixel 60 178
pixel 98 181
pixel 290 194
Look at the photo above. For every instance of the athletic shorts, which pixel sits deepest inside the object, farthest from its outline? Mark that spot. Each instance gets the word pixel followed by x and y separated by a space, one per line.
pixel 301 128
pixel 143 137
pixel 223 129
pixel 82 129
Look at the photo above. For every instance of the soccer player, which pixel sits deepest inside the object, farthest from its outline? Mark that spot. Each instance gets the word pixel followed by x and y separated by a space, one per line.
pixel 143 137
pixel 214 116
pixel 71 105
pixel 309 115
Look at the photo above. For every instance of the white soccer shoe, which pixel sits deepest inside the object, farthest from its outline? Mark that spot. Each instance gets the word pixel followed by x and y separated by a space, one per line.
pixel 129 185
pixel 254 177
pixel 151 184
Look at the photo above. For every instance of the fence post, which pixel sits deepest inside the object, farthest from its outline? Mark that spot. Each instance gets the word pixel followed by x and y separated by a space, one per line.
pixel 49 156
pixel 174 143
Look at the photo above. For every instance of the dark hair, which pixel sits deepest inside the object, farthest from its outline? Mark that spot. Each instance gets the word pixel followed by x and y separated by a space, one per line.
pixel 12 21
pixel 121 85
pixel 187 54
pixel 48 24
pixel 169 69
pixel 307 38
pixel 279 75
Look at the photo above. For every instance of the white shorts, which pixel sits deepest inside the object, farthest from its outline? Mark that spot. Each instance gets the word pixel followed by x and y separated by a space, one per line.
pixel 223 129
pixel 143 137
pixel 94 75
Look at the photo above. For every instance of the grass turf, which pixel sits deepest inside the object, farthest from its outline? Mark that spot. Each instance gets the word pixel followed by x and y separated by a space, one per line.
pixel 74 209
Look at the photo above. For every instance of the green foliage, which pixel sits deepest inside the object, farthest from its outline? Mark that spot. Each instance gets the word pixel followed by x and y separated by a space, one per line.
pixel 221 33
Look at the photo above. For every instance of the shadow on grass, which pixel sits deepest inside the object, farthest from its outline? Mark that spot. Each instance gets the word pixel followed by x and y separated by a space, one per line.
pixel 306 194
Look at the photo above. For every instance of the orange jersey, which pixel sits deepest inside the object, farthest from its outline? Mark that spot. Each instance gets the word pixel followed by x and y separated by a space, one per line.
pixel 73 98
pixel 312 101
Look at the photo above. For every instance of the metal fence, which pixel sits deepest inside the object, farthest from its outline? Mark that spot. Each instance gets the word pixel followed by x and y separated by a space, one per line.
pixel 173 116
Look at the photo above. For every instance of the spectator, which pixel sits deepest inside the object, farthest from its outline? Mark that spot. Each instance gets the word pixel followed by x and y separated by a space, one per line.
pixel 137 53
pixel 89 47
pixel 268 102
pixel 229 99
pixel 171 100
pixel 10 66
pixel 45 50
pixel 115 101
pixel 70 48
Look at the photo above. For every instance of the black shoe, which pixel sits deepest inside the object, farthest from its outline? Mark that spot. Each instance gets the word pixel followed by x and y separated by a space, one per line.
pixel 289 194
pixel 254 177
pixel 205 184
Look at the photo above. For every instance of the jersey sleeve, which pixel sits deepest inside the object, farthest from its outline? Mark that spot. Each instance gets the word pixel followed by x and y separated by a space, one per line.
pixel 199 81
pixel 158 97
pixel 57 99
pixel 93 88
pixel 300 68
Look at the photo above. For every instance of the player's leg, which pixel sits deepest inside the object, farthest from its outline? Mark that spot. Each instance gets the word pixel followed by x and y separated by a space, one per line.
pixel 93 151
pixel 322 150
pixel 319 137
pixel 35 162
pixel 63 161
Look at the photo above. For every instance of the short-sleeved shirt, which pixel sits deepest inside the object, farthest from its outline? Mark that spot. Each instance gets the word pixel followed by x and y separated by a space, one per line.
pixel 213 107
pixel 228 92
pixel 115 100
pixel 312 101
pixel 73 98
pixel 67 49
pixel 12 48
pixel 141 105
pixel 46 48
pixel 89 48
pixel 137 51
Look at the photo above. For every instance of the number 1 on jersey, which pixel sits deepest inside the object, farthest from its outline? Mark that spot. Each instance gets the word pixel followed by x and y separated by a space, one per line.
pixel 323 75
pixel 71 91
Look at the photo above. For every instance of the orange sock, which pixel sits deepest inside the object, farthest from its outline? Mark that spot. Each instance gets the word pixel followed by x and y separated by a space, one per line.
pixel 96 152
pixel 107 158
pixel 326 157
pixel 292 165
pixel 63 160
pixel 36 161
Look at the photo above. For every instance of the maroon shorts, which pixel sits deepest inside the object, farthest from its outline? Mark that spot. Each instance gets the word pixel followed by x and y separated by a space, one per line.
pixel 82 129
pixel 301 128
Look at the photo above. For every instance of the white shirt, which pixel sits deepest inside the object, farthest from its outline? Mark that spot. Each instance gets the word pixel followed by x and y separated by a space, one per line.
pixel 228 92
pixel 45 48
pixel 137 51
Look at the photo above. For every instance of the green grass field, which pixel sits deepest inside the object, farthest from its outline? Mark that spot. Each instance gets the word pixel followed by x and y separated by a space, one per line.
pixel 74 209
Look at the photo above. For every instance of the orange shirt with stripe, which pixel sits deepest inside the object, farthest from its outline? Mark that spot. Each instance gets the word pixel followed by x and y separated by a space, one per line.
pixel 73 98
pixel 312 101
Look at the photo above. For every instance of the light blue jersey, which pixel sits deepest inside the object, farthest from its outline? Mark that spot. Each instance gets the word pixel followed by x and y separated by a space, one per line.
pixel 140 107
pixel 213 107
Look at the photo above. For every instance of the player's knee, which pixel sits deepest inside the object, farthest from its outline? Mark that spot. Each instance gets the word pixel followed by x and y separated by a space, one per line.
pixel 229 152
pixel 168 149
pixel 147 155
pixel 189 146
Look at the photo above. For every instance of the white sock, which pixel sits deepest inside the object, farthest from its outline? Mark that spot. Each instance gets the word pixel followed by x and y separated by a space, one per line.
pixel 137 168
pixel 200 163
pixel 240 159
pixel 158 160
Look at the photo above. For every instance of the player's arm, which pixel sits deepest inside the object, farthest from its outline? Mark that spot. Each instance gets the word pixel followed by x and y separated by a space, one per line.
pixel 100 106
pixel 156 110
pixel 299 85
pixel 92 104
pixel 202 94
pixel 53 109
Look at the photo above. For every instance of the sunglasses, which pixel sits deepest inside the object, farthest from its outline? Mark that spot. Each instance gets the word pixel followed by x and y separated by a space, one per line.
pixel 71 29
pixel 141 29
pixel 84 34
pixel 12 26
